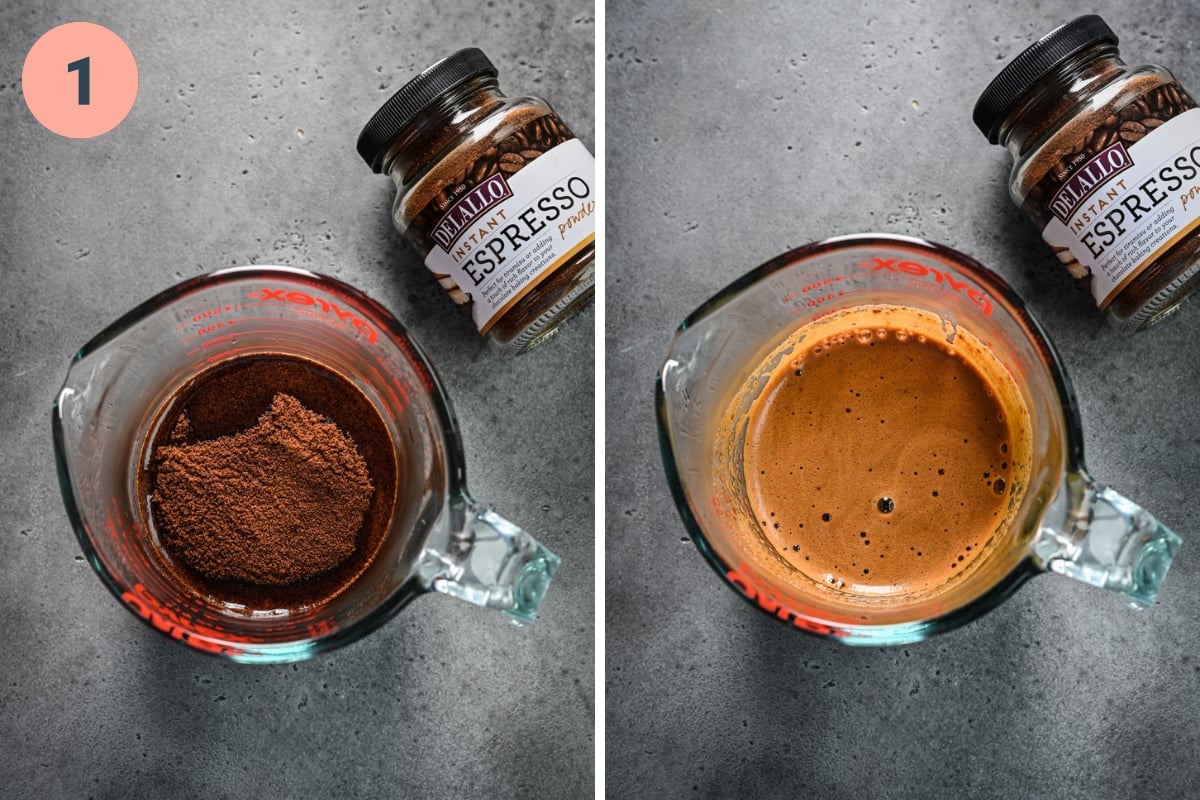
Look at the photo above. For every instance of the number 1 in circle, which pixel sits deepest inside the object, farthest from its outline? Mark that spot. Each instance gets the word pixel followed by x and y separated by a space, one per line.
pixel 84 67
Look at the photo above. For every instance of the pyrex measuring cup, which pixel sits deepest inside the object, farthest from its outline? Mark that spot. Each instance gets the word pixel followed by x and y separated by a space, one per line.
pixel 439 537
pixel 1065 523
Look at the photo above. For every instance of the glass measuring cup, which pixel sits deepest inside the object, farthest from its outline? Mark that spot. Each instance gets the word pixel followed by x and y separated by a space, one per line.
pixel 1065 523
pixel 439 538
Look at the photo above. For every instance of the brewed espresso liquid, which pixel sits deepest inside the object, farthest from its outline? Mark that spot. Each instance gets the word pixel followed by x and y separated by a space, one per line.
pixel 880 461
pixel 229 399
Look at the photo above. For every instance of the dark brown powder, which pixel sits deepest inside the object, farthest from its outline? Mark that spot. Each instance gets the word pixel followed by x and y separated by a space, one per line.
pixel 276 504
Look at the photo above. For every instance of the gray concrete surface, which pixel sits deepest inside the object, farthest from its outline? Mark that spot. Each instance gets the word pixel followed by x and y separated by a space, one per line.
pixel 240 149
pixel 735 131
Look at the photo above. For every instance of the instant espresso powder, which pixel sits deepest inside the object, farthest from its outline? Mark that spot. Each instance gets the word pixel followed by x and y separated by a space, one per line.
pixel 270 481
pixel 1106 163
pixel 496 195
pixel 273 505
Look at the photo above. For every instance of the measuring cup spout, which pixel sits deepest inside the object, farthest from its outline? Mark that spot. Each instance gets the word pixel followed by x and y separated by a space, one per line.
pixel 1102 538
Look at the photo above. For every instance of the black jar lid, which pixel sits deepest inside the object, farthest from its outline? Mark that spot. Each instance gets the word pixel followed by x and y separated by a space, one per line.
pixel 1032 65
pixel 414 97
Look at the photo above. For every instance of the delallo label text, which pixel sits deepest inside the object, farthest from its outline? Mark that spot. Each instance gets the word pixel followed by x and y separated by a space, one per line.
pixel 470 207
pixel 1091 176
pixel 510 240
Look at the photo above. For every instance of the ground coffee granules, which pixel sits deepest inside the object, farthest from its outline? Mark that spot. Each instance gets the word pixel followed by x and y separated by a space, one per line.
pixel 271 481
pixel 277 504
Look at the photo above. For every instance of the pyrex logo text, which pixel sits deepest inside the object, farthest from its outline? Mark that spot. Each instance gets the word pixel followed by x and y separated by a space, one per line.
pixel 769 604
pixel 918 270
pixel 302 299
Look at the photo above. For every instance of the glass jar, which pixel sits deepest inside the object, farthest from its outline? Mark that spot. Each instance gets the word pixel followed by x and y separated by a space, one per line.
pixel 494 193
pixel 1106 162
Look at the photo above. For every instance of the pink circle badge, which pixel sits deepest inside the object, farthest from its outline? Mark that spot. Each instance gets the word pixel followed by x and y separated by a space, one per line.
pixel 80 80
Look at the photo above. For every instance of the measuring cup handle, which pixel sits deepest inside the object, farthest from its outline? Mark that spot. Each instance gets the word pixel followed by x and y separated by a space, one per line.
pixel 489 561
pixel 1109 541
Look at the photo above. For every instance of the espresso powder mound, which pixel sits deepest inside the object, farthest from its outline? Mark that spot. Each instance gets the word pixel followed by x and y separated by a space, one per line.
pixel 276 504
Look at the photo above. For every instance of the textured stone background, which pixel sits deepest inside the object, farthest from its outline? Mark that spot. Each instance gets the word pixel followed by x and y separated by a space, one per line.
pixel 735 132
pixel 240 149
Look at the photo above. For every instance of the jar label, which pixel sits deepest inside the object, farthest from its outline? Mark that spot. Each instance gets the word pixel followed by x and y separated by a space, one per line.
pixel 1135 198
pixel 514 227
